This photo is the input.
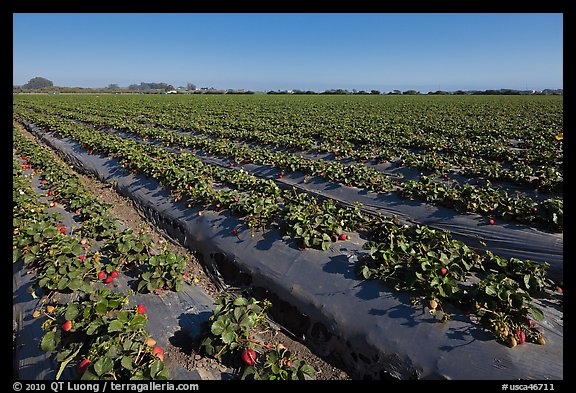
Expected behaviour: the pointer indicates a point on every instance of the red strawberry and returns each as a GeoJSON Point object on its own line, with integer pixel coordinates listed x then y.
{"type": "Point", "coordinates": [343, 236]}
{"type": "Point", "coordinates": [443, 271]}
{"type": "Point", "coordinates": [84, 365]}
{"type": "Point", "coordinates": [491, 221]}
{"type": "Point", "coordinates": [101, 275]}
{"type": "Point", "coordinates": [249, 356]}
{"type": "Point", "coordinates": [43, 181]}
{"type": "Point", "coordinates": [234, 232]}
{"type": "Point", "coordinates": [66, 326]}
{"type": "Point", "coordinates": [63, 230]}
{"type": "Point", "coordinates": [82, 257]}
{"type": "Point", "coordinates": [559, 290]}
{"type": "Point", "coordinates": [141, 309]}
{"type": "Point", "coordinates": [114, 274]}
{"type": "Point", "coordinates": [158, 352]}
{"type": "Point", "coordinates": [520, 335]}
{"type": "Point", "coordinates": [108, 280]}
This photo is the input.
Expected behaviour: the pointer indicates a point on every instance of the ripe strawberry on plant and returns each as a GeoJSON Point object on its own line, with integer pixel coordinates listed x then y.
{"type": "Point", "coordinates": [141, 309]}
{"type": "Point", "coordinates": [343, 236]}
{"type": "Point", "coordinates": [66, 326]}
{"type": "Point", "coordinates": [108, 280]}
{"type": "Point", "coordinates": [158, 352]}
{"type": "Point", "coordinates": [443, 271]}
{"type": "Point", "coordinates": [114, 274]}
{"type": "Point", "coordinates": [249, 356]}
{"type": "Point", "coordinates": [84, 365]}
{"type": "Point", "coordinates": [101, 275]}
{"type": "Point", "coordinates": [520, 336]}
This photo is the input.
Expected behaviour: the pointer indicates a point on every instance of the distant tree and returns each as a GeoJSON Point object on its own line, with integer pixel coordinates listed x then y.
{"type": "Point", "coordinates": [191, 86]}
{"type": "Point", "coordinates": [411, 92]}
{"type": "Point", "coordinates": [38, 83]}
{"type": "Point", "coordinates": [113, 86]}
{"type": "Point", "coordinates": [374, 91]}
{"type": "Point", "coordinates": [395, 92]}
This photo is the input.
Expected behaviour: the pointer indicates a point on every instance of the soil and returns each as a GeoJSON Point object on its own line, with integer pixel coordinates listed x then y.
{"type": "Point", "coordinates": [182, 350]}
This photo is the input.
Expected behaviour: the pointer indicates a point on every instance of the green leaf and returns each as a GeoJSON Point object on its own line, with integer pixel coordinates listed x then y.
{"type": "Point", "coordinates": [156, 367]}
{"type": "Point", "coordinates": [238, 313]}
{"type": "Point", "coordinates": [103, 366]}
{"type": "Point", "coordinates": [240, 301]}
{"type": "Point", "coordinates": [102, 307]}
{"type": "Point", "coordinates": [138, 322]}
{"type": "Point", "coordinates": [72, 311]}
{"type": "Point", "coordinates": [247, 322]}
{"type": "Point", "coordinates": [49, 232]}
{"type": "Point", "coordinates": [93, 326]}
{"type": "Point", "coordinates": [162, 374]}
{"type": "Point", "coordinates": [536, 313]}
{"type": "Point", "coordinates": [527, 281]}
{"type": "Point", "coordinates": [28, 258]}
{"type": "Point", "coordinates": [127, 363]}
{"type": "Point", "coordinates": [76, 284]}
{"type": "Point", "coordinates": [490, 290]}
{"type": "Point", "coordinates": [77, 250]}
{"type": "Point", "coordinates": [63, 283]}
{"type": "Point", "coordinates": [50, 341]}
{"type": "Point", "coordinates": [66, 361]}
{"type": "Point", "coordinates": [307, 371]}
{"type": "Point", "coordinates": [228, 335]}
{"type": "Point", "coordinates": [115, 326]}
{"type": "Point", "coordinates": [89, 374]}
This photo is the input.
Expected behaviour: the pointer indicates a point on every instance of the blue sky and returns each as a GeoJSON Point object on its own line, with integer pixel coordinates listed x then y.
{"type": "Point", "coordinates": [278, 51]}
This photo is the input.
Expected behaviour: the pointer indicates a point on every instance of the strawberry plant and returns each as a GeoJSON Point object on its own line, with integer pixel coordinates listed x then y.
{"type": "Point", "coordinates": [163, 271]}
{"type": "Point", "coordinates": [232, 326]}
{"type": "Point", "coordinates": [277, 364]}
{"type": "Point", "coordinates": [127, 249]}
{"type": "Point", "coordinates": [112, 337]}
{"type": "Point", "coordinates": [232, 337]}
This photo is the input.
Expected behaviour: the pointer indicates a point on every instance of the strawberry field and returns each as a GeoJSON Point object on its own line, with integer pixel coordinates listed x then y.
{"type": "Point", "coordinates": [365, 220]}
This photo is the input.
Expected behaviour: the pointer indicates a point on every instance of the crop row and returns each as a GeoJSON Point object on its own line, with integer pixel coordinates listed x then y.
{"type": "Point", "coordinates": [97, 330]}
{"type": "Point", "coordinates": [106, 339]}
{"type": "Point", "coordinates": [485, 200]}
{"type": "Point", "coordinates": [420, 258]}
{"type": "Point", "coordinates": [525, 153]}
